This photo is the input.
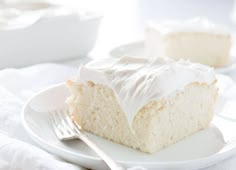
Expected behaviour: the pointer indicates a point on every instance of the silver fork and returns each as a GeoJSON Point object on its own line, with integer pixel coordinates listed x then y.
{"type": "Point", "coordinates": [66, 128]}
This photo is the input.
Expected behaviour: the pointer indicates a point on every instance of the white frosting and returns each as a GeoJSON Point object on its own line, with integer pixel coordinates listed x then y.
{"type": "Point", "coordinates": [136, 81]}
{"type": "Point", "coordinates": [21, 15]}
{"type": "Point", "coordinates": [194, 25]}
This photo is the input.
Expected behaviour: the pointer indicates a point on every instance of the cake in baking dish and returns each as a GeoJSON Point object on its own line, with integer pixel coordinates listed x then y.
{"type": "Point", "coordinates": [144, 104]}
{"type": "Point", "coordinates": [197, 40]}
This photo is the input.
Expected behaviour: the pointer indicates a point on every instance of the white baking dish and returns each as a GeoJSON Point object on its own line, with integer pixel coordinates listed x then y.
{"type": "Point", "coordinates": [35, 33]}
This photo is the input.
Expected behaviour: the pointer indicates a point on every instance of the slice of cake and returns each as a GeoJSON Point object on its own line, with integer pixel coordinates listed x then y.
{"type": "Point", "coordinates": [146, 105]}
{"type": "Point", "coordinates": [197, 40]}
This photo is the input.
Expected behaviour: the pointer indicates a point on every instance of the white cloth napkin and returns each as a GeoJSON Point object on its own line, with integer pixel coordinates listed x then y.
{"type": "Point", "coordinates": [17, 151]}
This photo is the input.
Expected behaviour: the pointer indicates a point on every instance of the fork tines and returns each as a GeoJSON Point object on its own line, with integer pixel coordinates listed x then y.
{"type": "Point", "coordinates": [63, 126]}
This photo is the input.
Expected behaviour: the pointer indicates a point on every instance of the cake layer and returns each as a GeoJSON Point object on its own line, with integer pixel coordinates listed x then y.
{"type": "Point", "coordinates": [137, 81]}
{"type": "Point", "coordinates": [158, 124]}
{"type": "Point", "coordinates": [197, 40]}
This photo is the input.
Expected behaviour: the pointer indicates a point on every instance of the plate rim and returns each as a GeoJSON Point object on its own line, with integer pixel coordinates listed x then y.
{"type": "Point", "coordinates": [42, 143]}
{"type": "Point", "coordinates": [30, 132]}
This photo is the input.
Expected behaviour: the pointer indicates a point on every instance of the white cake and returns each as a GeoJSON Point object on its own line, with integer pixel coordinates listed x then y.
{"type": "Point", "coordinates": [146, 105]}
{"type": "Point", "coordinates": [197, 40]}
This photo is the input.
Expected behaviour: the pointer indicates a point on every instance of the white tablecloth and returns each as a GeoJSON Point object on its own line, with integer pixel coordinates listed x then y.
{"type": "Point", "coordinates": [17, 151]}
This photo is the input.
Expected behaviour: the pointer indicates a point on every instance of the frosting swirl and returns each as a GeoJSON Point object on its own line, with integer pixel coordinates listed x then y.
{"type": "Point", "coordinates": [199, 24]}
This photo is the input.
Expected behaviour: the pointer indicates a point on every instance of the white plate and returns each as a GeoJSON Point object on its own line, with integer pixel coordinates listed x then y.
{"type": "Point", "coordinates": [197, 151]}
{"type": "Point", "coordinates": [137, 49]}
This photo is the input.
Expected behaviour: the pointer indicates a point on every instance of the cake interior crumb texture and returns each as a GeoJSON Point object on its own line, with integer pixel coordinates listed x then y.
{"type": "Point", "coordinates": [157, 125]}
{"type": "Point", "coordinates": [201, 47]}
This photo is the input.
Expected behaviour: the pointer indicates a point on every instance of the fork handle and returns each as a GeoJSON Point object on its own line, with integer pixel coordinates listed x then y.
{"type": "Point", "coordinates": [108, 160]}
